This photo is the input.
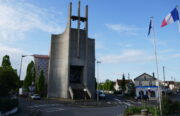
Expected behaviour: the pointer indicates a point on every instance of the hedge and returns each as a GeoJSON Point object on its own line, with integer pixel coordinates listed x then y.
{"type": "Point", "coordinates": [137, 110]}
{"type": "Point", "coordinates": [7, 104]}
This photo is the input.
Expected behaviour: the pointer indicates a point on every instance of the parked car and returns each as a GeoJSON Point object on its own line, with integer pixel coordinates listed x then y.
{"type": "Point", "coordinates": [101, 94]}
{"type": "Point", "coordinates": [35, 97]}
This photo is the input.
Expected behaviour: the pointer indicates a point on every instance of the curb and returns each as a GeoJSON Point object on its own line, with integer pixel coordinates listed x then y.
{"type": "Point", "coordinates": [14, 110]}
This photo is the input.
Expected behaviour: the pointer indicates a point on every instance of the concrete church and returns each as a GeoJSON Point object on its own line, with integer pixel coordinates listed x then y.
{"type": "Point", "coordinates": [72, 61]}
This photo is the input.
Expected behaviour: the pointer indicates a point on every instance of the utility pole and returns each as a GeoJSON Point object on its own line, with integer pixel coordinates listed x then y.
{"type": "Point", "coordinates": [128, 76]}
{"type": "Point", "coordinates": [97, 79]}
{"type": "Point", "coordinates": [164, 74]}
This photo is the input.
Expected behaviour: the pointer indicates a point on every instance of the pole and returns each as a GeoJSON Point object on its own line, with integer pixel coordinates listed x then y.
{"type": "Point", "coordinates": [155, 52]}
{"type": "Point", "coordinates": [98, 62]}
{"type": "Point", "coordinates": [20, 67]}
{"type": "Point", "coordinates": [21, 64]}
{"type": "Point", "coordinates": [164, 73]}
{"type": "Point", "coordinates": [177, 7]}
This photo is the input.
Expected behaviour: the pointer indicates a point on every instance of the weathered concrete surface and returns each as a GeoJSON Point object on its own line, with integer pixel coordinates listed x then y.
{"type": "Point", "coordinates": [71, 48]}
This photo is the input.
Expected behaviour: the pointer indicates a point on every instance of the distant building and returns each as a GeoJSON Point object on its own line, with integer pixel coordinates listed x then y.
{"type": "Point", "coordinates": [169, 84]}
{"type": "Point", "coordinates": [146, 84]}
{"type": "Point", "coordinates": [117, 85]}
{"type": "Point", "coordinates": [41, 63]}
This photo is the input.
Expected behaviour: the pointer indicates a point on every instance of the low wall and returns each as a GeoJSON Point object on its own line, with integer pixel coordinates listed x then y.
{"type": "Point", "coordinates": [14, 110]}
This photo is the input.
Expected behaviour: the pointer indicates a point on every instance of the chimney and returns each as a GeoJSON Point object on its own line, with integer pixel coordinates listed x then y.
{"type": "Point", "coordinates": [153, 74]}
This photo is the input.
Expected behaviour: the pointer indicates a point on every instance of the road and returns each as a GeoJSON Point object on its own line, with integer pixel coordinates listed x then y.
{"type": "Point", "coordinates": [60, 110]}
{"type": "Point", "coordinates": [53, 108]}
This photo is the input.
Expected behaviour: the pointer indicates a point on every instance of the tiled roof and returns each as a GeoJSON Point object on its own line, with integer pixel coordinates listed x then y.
{"type": "Point", "coordinates": [145, 74]}
{"type": "Point", "coordinates": [120, 81]}
{"type": "Point", "coordinates": [41, 56]}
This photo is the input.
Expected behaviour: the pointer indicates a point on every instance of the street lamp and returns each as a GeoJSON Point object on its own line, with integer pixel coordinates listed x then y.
{"type": "Point", "coordinates": [97, 79]}
{"type": "Point", "coordinates": [21, 65]}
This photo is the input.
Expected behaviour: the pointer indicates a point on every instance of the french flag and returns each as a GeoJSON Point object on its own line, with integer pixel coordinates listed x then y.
{"type": "Point", "coordinates": [171, 17]}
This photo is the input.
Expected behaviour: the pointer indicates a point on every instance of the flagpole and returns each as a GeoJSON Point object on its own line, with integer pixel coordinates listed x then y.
{"type": "Point", "coordinates": [177, 7]}
{"type": "Point", "coordinates": [155, 53]}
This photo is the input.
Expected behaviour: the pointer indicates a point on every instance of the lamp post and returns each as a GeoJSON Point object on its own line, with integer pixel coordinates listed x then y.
{"type": "Point", "coordinates": [21, 64]}
{"type": "Point", "coordinates": [98, 62]}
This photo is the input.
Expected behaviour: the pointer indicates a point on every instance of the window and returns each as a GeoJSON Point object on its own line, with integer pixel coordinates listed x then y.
{"type": "Point", "coordinates": [150, 83]}
{"type": "Point", "coordinates": [140, 83]}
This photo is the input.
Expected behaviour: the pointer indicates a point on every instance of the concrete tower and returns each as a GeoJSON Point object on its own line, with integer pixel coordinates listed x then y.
{"type": "Point", "coordinates": [72, 61]}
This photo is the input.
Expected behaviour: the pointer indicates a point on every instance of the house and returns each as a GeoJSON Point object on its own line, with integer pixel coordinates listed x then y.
{"type": "Point", "coordinates": [146, 84]}
{"type": "Point", "coordinates": [169, 84]}
{"type": "Point", "coordinates": [117, 85]}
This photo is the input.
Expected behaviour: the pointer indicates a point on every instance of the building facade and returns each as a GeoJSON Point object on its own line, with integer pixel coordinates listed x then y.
{"type": "Point", "coordinates": [146, 84]}
{"type": "Point", "coordinates": [72, 61]}
{"type": "Point", "coordinates": [42, 64]}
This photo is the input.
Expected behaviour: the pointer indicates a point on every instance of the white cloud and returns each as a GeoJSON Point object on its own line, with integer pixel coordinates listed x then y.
{"type": "Point", "coordinates": [15, 58]}
{"type": "Point", "coordinates": [126, 56]}
{"type": "Point", "coordinates": [176, 55]}
{"type": "Point", "coordinates": [19, 17]}
{"type": "Point", "coordinates": [125, 29]}
{"type": "Point", "coordinates": [100, 45]}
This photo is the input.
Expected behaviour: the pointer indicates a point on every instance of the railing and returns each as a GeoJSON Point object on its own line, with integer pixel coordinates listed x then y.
{"type": "Point", "coordinates": [71, 92]}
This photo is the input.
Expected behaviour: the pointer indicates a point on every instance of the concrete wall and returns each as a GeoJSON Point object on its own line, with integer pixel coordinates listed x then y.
{"type": "Point", "coordinates": [91, 67]}
{"type": "Point", "coordinates": [86, 57]}
{"type": "Point", "coordinates": [59, 66]}
{"type": "Point", "coordinates": [64, 54]}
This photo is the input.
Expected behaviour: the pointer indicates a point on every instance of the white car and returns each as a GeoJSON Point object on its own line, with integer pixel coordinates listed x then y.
{"type": "Point", "coordinates": [35, 97]}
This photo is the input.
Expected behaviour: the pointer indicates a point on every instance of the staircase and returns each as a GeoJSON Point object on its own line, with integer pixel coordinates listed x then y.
{"type": "Point", "coordinates": [77, 92]}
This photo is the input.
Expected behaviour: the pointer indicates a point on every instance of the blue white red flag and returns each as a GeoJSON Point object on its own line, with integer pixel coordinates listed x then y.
{"type": "Point", "coordinates": [171, 17]}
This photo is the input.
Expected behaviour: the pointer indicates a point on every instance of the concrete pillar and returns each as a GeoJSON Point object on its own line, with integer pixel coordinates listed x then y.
{"type": "Point", "coordinates": [69, 15]}
{"type": "Point", "coordinates": [78, 27]}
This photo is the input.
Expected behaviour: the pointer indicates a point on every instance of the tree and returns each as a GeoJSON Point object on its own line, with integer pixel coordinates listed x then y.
{"type": "Point", "coordinates": [6, 61]}
{"type": "Point", "coordinates": [8, 77]}
{"type": "Point", "coordinates": [108, 85]}
{"type": "Point", "coordinates": [123, 84]}
{"type": "Point", "coordinates": [30, 75]}
{"type": "Point", "coordinates": [100, 86]}
{"type": "Point", "coordinates": [131, 90]}
{"type": "Point", "coordinates": [41, 83]}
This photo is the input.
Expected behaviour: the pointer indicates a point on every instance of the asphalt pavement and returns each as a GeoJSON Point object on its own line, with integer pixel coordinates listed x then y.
{"type": "Point", "coordinates": [45, 107]}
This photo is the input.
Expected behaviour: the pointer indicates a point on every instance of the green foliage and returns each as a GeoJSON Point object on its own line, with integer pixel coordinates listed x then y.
{"type": "Point", "coordinates": [137, 110]}
{"type": "Point", "coordinates": [41, 83]}
{"type": "Point", "coordinates": [7, 104]}
{"type": "Point", "coordinates": [169, 106]}
{"type": "Point", "coordinates": [30, 75]}
{"type": "Point", "coordinates": [6, 61]}
{"type": "Point", "coordinates": [123, 84]}
{"type": "Point", "coordinates": [131, 90]}
{"type": "Point", "coordinates": [9, 80]}
{"type": "Point", "coordinates": [108, 85]}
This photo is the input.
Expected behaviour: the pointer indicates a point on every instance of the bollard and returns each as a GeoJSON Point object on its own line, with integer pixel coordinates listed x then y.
{"type": "Point", "coordinates": [144, 112]}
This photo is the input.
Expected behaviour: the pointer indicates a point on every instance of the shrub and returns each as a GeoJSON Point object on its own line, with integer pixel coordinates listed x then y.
{"type": "Point", "coordinates": [7, 104]}
{"type": "Point", "coordinates": [169, 106]}
{"type": "Point", "coordinates": [137, 110]}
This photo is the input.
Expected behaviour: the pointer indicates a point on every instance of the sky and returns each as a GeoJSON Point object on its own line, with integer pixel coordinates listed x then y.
{"type": "Point", "coordinates": [119, 28]}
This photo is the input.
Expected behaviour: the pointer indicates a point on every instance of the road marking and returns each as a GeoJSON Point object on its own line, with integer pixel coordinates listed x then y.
{"type": "Point", "coordinates": [55, 110]}
{"type": "Point", "coordinates": [44, 105]}
{"type": "Point", "coordinates": [126, 103]}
